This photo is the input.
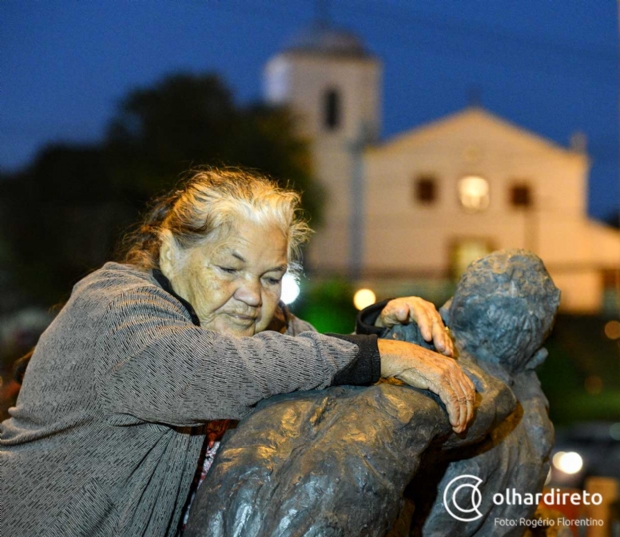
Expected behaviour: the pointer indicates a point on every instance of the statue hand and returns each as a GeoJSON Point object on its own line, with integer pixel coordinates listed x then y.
{"type": "Point", "coordinates": [425, 369]}
{"type": "Point", "coordinates": [414, 309]}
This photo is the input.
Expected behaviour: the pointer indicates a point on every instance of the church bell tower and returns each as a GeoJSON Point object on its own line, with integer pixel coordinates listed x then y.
{"type": "Point", "coordinates": [329, 80]}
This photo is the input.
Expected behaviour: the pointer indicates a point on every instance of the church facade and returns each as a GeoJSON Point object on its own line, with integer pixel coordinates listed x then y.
{"type": "Point", "coordinates": [420, 206]}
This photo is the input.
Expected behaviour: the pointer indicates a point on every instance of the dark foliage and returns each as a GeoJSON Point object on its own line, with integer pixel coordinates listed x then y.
{"type": "Point", "coordinates": [62, 216]}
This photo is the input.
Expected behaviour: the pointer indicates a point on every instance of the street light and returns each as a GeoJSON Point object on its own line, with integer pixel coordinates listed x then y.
{"type": "Point", "coordinates": [364, 298]}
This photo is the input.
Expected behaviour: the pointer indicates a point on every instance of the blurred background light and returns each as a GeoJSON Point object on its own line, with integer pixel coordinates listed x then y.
{"type": "Point", "coordinates": [364, 298]}
{"type": "Point", "coordinates": [568, 462]}
{"type": "Point", "coordinates": [290, 288]}
{"type": "Point", "coordinates": [614, 431]}
{"type": "Point", "coordinates": [612, 329]}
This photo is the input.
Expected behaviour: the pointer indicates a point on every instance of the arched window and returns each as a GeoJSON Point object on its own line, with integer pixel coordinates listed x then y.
{"type": "Point", "coordinates": [332, 109]}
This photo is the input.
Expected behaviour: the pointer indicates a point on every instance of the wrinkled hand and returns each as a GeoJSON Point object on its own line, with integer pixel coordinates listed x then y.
{"type": "Point", "coordinates": [425, 369]}
{"type": "Point", "coordinates": [414, 309]}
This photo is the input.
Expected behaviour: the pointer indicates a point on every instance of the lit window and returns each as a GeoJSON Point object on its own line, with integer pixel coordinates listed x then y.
{"type": "Point", "coordinates": [474, 193]}
{"type": "Point", "coordinates": [425, 189]}
{"type": "Point", "coordinates": [332, 109]}
{"type": "Point", "coordinates": [521, 196]}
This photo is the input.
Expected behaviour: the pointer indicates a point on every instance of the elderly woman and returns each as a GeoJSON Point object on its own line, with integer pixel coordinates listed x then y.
{"type": "Point", "coordinates": [109, 426]}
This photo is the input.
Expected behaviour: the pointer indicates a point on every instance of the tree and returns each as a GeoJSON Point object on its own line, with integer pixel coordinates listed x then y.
{"type": "Point", "coordinates": [188, 120]}
{"type": "Point", "coordinates": [62, 216]}
{"type": "Point", "coordinates": [60, 219]}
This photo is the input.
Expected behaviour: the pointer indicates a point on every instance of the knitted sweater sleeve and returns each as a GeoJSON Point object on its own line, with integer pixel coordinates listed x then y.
{"type": "Point", "coordinates": [159, 367]}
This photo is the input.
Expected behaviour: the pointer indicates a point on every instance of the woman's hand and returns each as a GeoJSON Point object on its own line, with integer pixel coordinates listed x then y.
{"type": "Point", "coordinates": [414, 309]}
{"type": "Point", "coordinates": [425, 369]}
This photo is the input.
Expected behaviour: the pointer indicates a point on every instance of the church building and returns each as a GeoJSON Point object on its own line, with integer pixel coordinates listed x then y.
{"type": "Point", "coordinates": [420, 206]}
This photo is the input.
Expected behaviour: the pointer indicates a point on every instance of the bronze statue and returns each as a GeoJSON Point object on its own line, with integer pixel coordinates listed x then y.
{"type": "Point", "coordinates": [338, 461]}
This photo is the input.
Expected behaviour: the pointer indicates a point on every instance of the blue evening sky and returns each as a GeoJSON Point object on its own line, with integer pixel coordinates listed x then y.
{"type": "Point", "coordinates": [551, 67]}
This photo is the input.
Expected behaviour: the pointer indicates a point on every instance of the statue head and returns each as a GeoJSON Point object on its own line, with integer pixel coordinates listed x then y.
{"type": "Point", "coordinates": [503, 310]}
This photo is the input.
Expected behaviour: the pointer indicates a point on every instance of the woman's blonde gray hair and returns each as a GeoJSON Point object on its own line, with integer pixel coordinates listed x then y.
{"type": "Point", "coordinates": [212, 200]}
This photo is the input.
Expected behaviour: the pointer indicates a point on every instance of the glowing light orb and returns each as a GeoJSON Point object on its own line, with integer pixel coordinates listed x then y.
{"type": "Point", "coordinates": [569, 462]}
{"type": "Point", "coordinates": [290, 289]}
{"type": "Point", "coordinates": [612, 330]}
{"type": "Point", "coordinates": [364, 298]}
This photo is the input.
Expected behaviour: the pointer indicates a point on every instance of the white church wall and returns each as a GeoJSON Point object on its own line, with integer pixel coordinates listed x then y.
{"type": "Point", "coordinates": [300, 81]}
{"type": "Point", "coordinates": [582, 289]}
{"type": "Point", "coordinates": [407, 241]}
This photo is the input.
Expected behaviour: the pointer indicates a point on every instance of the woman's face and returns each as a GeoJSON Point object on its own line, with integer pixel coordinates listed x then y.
{"type": "Point", "coordinates": [234, 282]}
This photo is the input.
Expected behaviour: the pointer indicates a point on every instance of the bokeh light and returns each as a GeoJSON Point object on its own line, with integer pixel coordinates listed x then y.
{"type": "Point", "coordinates": [364, 298]}
{"type": "Point", "coordinates": [290, 289]}
{"type": "Point", "coordinates": [569, 462]}
{"type": "Point", "coordinates": [612, 329]}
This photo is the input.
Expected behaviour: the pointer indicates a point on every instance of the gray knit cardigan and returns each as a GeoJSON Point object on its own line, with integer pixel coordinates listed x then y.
{"type": "Point", "coordinates": [103, 438]}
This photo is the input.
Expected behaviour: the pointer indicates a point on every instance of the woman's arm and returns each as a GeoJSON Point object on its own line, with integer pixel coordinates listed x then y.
{"type": "Point", "coordinates": [377, 318]}
{"type": "Point", "coordinates": [160, 367]}
{"type": "Point", "coordinates": [422, 368]}
{"type": "Point", "coordinates": [416, 365]}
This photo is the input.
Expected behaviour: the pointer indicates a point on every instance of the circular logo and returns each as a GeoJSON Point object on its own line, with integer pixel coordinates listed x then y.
{"type": "Point", "coordinates": [456, 500]}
